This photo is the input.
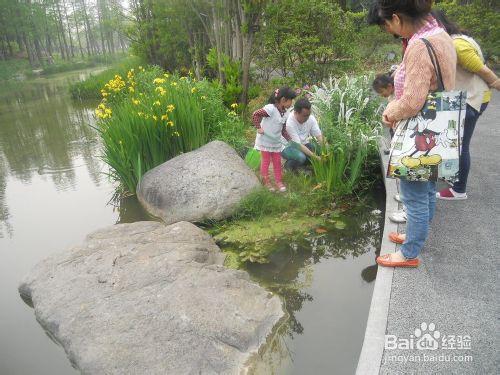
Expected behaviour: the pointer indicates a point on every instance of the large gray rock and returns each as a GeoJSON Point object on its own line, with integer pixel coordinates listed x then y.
{"type": "Point", "coordinates": [207, 183]}
{"type": "Point", "coordinates": [145, 298]}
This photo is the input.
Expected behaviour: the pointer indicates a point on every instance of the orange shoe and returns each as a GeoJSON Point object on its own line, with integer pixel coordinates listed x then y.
{"type": "Point", "coordinates": [397, 238]}
{"type": "Point", "coordinates": [385, 261]}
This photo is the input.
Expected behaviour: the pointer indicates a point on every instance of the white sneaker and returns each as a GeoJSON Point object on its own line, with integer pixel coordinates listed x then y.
{"type": "Point", "coordinates": [397, 198]}
{"type": "Point", "coordinates": [398, 217]}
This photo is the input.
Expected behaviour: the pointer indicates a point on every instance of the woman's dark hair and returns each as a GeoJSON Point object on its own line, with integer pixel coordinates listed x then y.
{"type": "Point", "coordinates": [300, 104]}
{"type": "Point", "coordinates": [414, 10]}
{"type": "Point", "coordinates": [450, 27]}
{"type": "Point", "coordinates": [282, 92]}
{"type": "Point", "coordinates": [373, 17]}
{"type": "Point", "coordinates": [381, 81]}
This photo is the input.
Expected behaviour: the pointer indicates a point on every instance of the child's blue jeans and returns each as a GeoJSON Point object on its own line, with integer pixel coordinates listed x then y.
{"type": "Point", "coordinates": [420, 201]}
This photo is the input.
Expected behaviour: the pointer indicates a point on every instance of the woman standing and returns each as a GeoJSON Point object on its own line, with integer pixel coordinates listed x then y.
{"type": "Point", "coordinates": [476, 78]}
{"type": "Point", "coordinates": [413, 80]}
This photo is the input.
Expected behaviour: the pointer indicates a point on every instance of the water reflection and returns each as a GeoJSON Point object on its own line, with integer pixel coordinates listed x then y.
{"type": "Point", "coordinates": [52, 193]}
{"type": "Point", "coordinates": [296, 272]}
{"type": "Point", "coordinates": [5, 226]}
{"type": "Point", "coordinates": [42, 130]}
{"type": "Point", "coordinates": [129, 209]}
{"type": "Point", "coordinates": [48, 159]}
{"type": "Point", "coordinates": [43, 133]}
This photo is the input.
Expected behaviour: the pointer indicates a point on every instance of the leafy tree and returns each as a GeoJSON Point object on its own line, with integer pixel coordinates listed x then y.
{"type": "Point", "coordinates": [309, 39]}
{"type": "Point", "coordinates": [479, 17]}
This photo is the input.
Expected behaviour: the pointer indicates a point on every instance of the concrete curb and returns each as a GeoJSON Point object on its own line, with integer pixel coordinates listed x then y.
{"type": "Point", "coordinates": [370, 359]}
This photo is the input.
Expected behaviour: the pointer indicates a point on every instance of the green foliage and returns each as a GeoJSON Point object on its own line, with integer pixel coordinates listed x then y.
{"type": "Point", "coordinates": [17, 68]}
{"type": "Point", "coordinates": [340, 167]}
{"type": "Point", "coordinates": [59, 65]}
{"type": "Point", "coordinates": [479, 17]}
{"type": "Point", "coordinates": [91, 87]}
{"type": "Point", "coordinates": [231, 71]}
{"type": "Point", "coordinates": [12, 68]}
{"type": "Point", "coordinates": [148, 120]}
{"type": "Point", "coordinates": [264, 217]}
{"type": "Point", "coordinates": [161, 34]}
{"type": "Point", "coordinates": [349, 117]}
{"type": "Point", "coordinates": [302, 198]}
{"type": "Point", "coordinates": [309, 39]}
{"type": "Point", "coordinates": [372, 44]}
{"type": "Point", "coordinates": [43, 31]}
{"type": "Point", "coordinates": [221, 124]}
{"type": "Point", "coordinates": [147, 116]}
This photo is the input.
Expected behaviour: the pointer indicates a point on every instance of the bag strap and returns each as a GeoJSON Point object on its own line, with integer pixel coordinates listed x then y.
{"type": "Point", "coordinates": [435, 63]}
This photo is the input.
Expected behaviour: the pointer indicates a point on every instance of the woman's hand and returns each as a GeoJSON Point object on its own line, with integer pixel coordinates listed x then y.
{"type": "Point", "coordinates": [387, 122]}
{"type": "Point", "coordinates": [260, 131]}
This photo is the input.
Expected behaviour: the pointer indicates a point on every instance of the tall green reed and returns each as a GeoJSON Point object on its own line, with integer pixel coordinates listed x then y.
{"type": "Point", "coordinates": [349, 117]}
{"type": "Point", "coordinates": [147, 118]}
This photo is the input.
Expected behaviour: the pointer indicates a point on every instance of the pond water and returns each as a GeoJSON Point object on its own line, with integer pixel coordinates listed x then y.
{"type": "Point", "coordinates": [53, 192]}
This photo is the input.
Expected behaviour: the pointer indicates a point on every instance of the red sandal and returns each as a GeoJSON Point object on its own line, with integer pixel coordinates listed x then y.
{"type": "Point", "coordinates": [385, 261]}
{"type": "Point", "coordinates": [396, 238]}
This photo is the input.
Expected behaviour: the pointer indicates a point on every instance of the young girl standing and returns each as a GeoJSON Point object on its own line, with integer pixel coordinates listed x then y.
{"type": "Point", "coordinates": [270, 121]}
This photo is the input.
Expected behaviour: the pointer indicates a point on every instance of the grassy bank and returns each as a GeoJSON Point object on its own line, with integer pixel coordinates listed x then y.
{"type": "Point", "coordinates": [20, 68]}
{"type": "Point", "coordinates": [91, 87]}
{"type": "Point", "coordinates": [147, 116]}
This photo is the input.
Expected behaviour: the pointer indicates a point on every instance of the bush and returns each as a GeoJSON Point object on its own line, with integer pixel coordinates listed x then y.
{"type": "Point", "coordinates": [302, 198]}
{"type": "Point", "coordinates": [13, 68]}
{"type": "Point", "coordinates": [90, 88]}
{"type": "Point", "coordinates": [350, 120]}
{"type": "Point", "coordinates": [147, 120]}
{"type": "Point", "coordinates": [481, 19]}
{"type": "Point", "coordinates": [307, 39]}
{"type": "Point", "coordinates": [149, 116]}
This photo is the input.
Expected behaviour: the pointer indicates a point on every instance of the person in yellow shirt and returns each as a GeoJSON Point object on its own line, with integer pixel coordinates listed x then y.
{"type": "Point", "coordinates": [477, 79]}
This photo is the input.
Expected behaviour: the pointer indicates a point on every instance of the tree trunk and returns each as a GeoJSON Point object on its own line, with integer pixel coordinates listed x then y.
{"type": "Point", "coordinates": [61, 31]}
{"type": "Point", "coordinates": [88, 31]}
{"type": "Point", "coordinates": [246, 60]}
{"type": "Point", "coordinates": [9, 46]}
{"type": "Point", "coordinates": [218, 43]}
{"type": "Point", "coordinates": [28, 51]}
{"type": "Point", "coordinates": [249, 21]}
{"type": "Point", "coordinates": [100, 20]}
{"type": "Point", "coordinates": [3, 53]}
{"type": "Point", "coordinates": [38, 49]}
{"type": "Point", "coordinates": [19, 40]}
{"type": "Point", "coordinates": [77, 29]}
{"type": "Point", "coordinates": [71, 46]}
{"type": "Point", "coordinates": [48, 39]}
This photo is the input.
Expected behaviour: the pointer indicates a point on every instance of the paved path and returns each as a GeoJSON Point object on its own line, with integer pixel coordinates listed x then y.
{"type": "Point", "coordinates": [456, 286]}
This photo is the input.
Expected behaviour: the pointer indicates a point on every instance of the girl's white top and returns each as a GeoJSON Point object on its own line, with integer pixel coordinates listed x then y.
{"type": "Point", "coordinates": [272, 126]}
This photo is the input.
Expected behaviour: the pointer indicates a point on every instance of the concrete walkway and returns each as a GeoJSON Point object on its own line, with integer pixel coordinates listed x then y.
{"type": "Point", "coordinates": [455, 291]}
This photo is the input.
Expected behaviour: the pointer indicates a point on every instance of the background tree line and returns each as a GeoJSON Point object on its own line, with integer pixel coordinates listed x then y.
{"type": "Point", "coordinates": [234, 41]}
{"type": "Point", "coordinates": [41, 30]}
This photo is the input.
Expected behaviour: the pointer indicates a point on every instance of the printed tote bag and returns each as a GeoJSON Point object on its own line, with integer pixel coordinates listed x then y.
{"type": "Point", "coordinates": [427, 146]}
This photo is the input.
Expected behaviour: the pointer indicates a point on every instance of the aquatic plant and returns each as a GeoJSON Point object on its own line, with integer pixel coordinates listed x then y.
{"type": "Point", "coordinates": [145, 119]}
{"type": "Point", "coordinates": [349, 115]}
{"type": "Point", "coordinates": [148, 117]}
